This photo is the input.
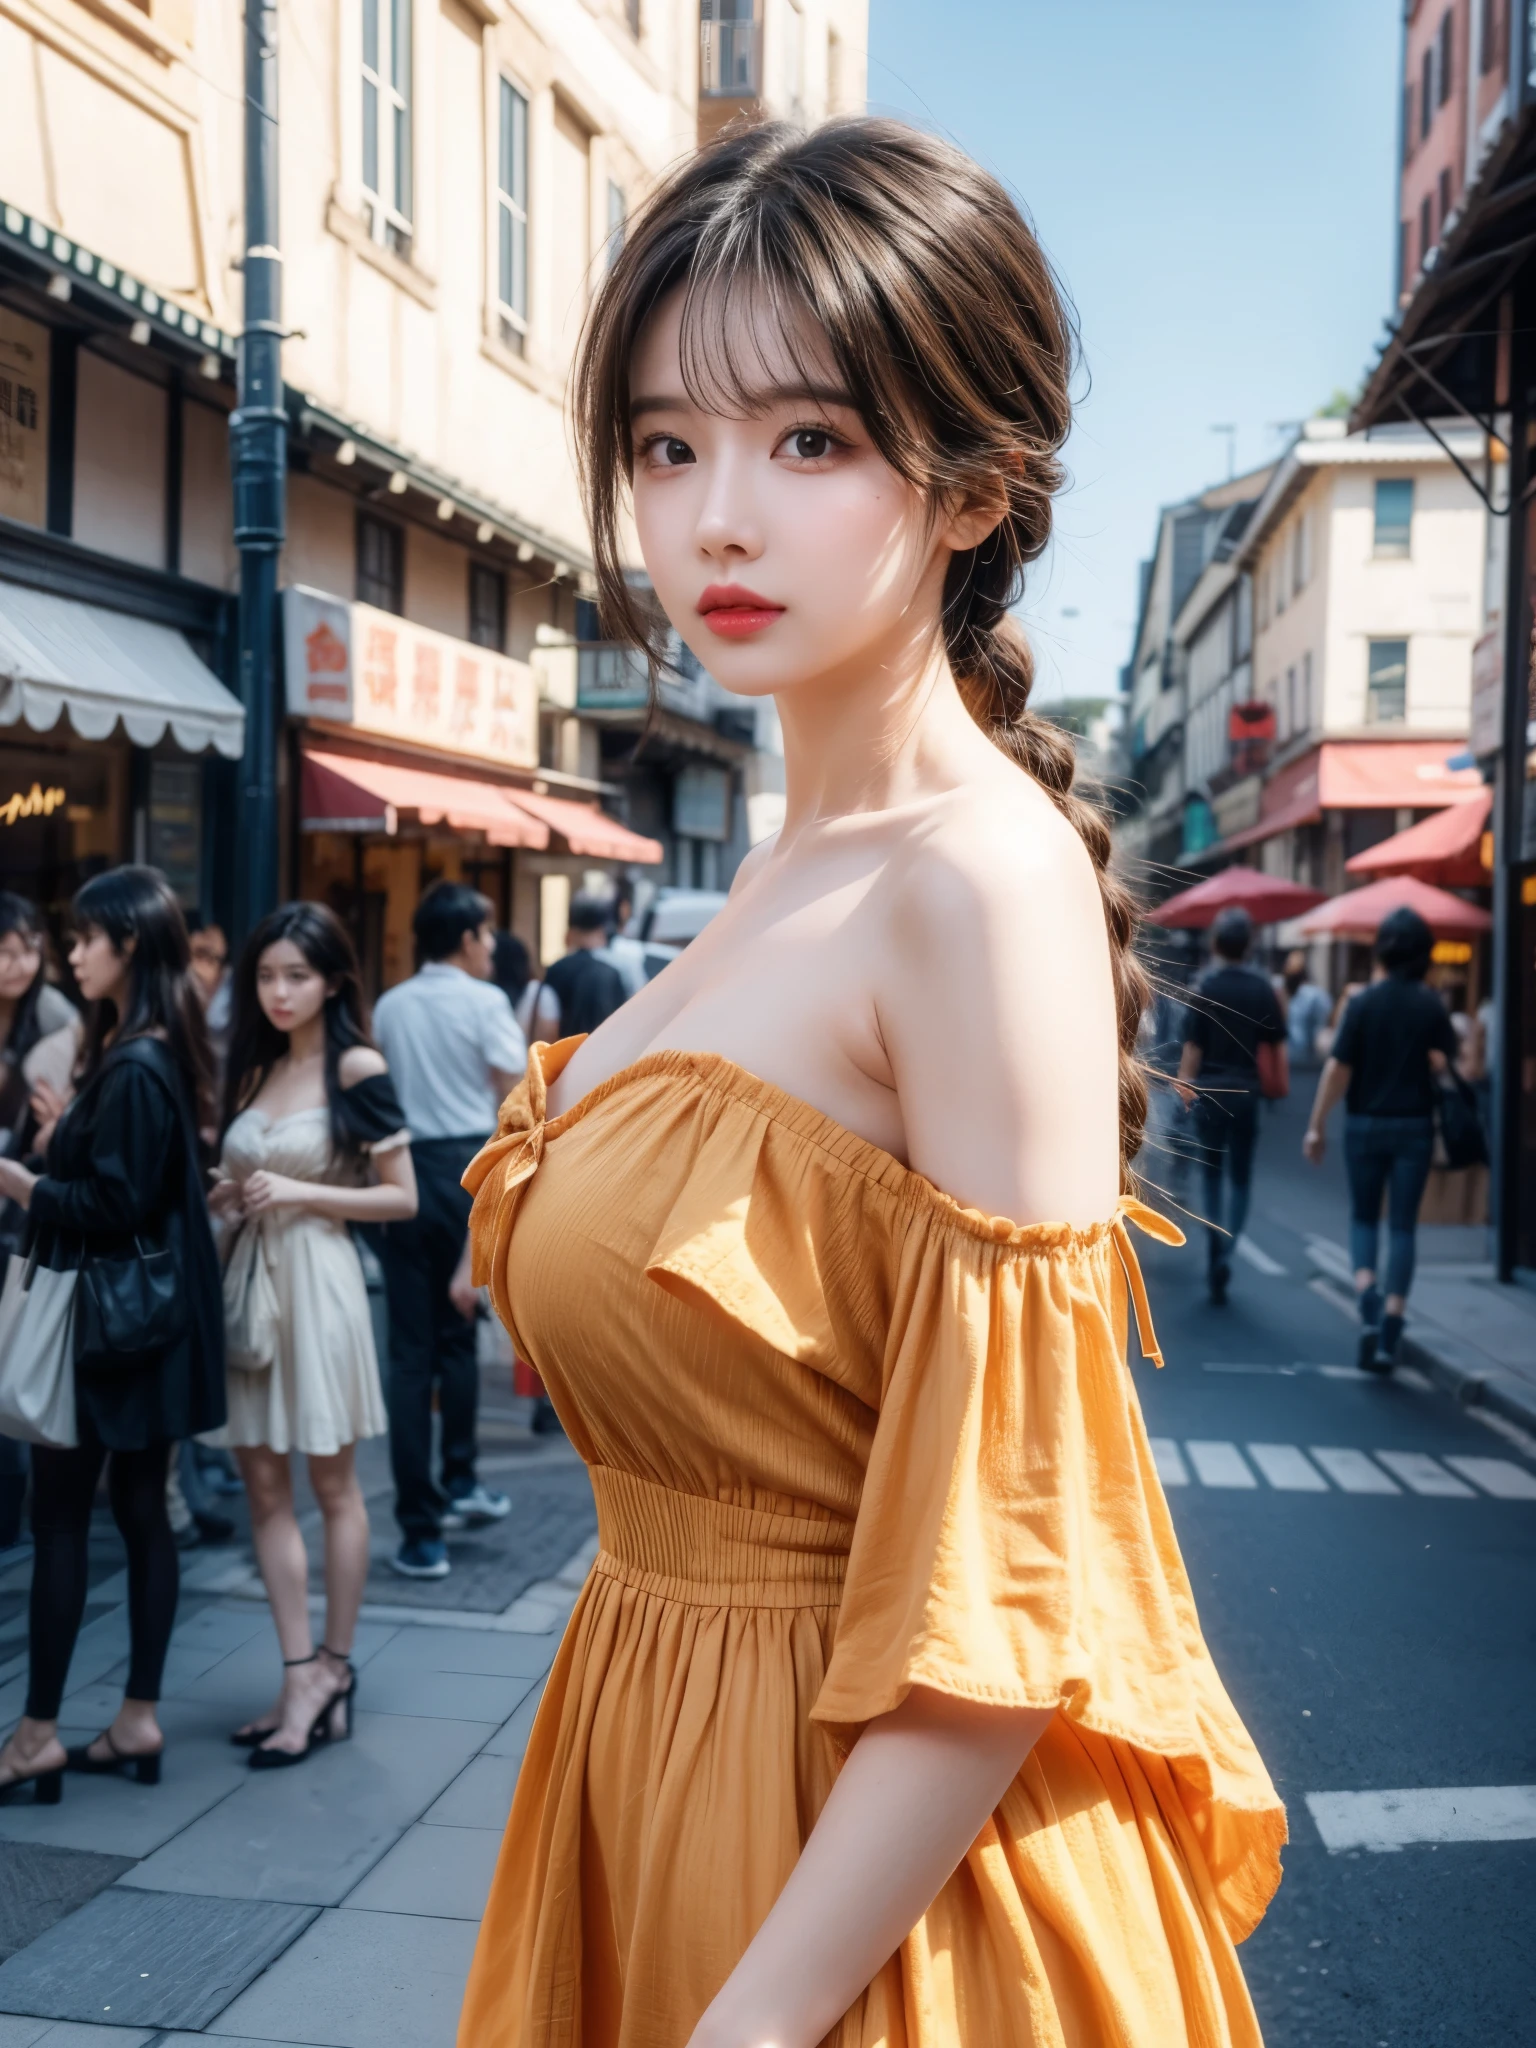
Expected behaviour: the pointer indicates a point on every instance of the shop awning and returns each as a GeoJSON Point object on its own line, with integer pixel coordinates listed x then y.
{"type": "Point", "coordinates": [586, 829]}
{"type": "Point", "coordinates": [1445, 849]}
{"type": "Point", "coordinates": [1359, 775]}
{"type": "Point", "coordinates": [340, 794]}
{"type": "Point", "coordinates": [60, 654]}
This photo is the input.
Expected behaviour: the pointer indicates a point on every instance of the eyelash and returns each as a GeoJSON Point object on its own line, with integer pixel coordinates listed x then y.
{"type": "Point", "coordinates": [654, 441]}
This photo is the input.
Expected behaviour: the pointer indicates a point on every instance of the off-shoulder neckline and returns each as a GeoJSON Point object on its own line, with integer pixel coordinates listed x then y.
{"type": "Point", "coordinates": [712, 1070]}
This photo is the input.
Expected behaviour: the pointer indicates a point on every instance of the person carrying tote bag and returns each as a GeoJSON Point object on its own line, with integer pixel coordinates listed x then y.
{"type": "Point", "coordinates": [121, 1204]}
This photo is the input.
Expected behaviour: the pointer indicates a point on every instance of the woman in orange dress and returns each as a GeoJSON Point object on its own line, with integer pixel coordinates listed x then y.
{"type": "Point", "coordinates": [884, 1719]}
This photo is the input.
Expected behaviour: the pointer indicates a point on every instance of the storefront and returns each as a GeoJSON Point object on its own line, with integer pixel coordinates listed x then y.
{"type": "Point", "coordinates": [413, 757]}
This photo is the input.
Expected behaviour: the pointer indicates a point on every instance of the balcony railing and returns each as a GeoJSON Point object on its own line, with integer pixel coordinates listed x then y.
{"type": "Point", "coordinates": [612, 677]}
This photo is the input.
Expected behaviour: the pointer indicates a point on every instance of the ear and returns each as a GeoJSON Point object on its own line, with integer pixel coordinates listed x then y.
{"type": "Point", "coordinates": [968, 522]}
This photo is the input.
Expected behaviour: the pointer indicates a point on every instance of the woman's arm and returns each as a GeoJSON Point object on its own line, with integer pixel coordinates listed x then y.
{"type": "Point", "coordinates": [134, 1131]}
{"type": "Point", "coordinates": [1332, 1086]}
{"type": "Point", "coordinates": [391, 1201]}
{"type": "Point", "coordinates": [916, 1791]}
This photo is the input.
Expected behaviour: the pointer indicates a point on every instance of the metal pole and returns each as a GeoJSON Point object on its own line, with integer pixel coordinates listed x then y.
{"type": "Point", "coordinates": [258, 432]}
{"type": "Point", "coordinates": [1508, 823]}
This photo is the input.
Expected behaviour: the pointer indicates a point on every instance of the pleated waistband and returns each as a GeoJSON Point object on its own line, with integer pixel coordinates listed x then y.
{"type": "Point", "coordinates": [681, 1546]}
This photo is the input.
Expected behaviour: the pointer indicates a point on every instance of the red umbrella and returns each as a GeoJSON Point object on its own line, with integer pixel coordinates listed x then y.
{"type": "Point", "coordinates": [1357, 913]}
{"type": "Point", "coordinates": [1268, 899]}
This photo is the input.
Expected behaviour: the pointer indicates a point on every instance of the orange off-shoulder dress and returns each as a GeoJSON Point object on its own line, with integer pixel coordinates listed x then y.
{"type": "Point", "coordinates": [847, 1437]}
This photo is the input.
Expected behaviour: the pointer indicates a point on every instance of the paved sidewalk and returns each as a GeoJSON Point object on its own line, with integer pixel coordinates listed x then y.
{"type": "Point", "coordinates": [331, 1906]}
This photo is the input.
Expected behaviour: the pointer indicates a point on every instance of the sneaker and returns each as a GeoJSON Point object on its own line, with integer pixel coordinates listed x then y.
{"type": "Point", "coordinates": [469, 1510]}
{"type": "Point", "coordinates": [421, 1557]}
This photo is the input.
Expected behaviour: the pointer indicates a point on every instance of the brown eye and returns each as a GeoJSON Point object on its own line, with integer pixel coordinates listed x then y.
{"type": "Point", "coordinates": [674, 452]}
{"type": "Point", "coordinates": [810, 444]}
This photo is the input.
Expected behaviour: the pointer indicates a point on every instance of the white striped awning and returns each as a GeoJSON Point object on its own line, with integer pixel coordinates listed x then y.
{"type": "Point", "coordinates": [60, 654]}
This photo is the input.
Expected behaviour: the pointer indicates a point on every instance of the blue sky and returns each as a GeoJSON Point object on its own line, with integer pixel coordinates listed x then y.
{"type": "Point", "coordinates": [1214, 181]}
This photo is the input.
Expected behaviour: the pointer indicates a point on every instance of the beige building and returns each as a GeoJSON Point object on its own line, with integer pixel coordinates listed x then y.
{"type": "Point", "coordinates": [453, 173]}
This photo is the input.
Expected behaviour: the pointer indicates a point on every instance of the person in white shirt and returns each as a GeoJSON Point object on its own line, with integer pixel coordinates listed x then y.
{"type": "Point", "coordinates": [455, 1051]}
{"type": "Point", "coordinates": [625, 955]}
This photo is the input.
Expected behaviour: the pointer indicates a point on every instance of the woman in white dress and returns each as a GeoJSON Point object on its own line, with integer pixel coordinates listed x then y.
{"type": "Point", "coordinates": [309, 1107]}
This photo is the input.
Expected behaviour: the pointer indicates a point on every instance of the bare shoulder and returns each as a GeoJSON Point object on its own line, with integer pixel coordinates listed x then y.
{"type": "Point", "coordinates": [752, 861]}
{"type": "Point", "coordinates": [360, 1063]}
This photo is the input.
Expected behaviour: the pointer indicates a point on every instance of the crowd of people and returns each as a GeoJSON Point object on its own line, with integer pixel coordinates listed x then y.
{"type": "Point", "coordinates": [1389, 1050]}
{"type": "Point", "coordinates": [189, 1155]}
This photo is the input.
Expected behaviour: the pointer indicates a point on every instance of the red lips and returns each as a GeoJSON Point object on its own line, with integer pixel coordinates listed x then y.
{"type": "Point", "coordinates": [736, 613]}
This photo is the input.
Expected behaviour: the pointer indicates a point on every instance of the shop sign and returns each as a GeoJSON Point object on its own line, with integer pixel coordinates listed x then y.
{"type": "Point", "coordinates": [35, 802]}
{"type": "Point", "coordinates": [354, 665]}
{"type": "Point", "coordinates": [23, 419]}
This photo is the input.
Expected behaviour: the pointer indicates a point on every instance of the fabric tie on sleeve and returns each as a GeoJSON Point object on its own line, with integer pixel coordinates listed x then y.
{"type": "Point", "coordinates": [1129, 1210]}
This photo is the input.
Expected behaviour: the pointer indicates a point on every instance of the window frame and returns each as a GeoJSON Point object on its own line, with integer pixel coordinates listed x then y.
{"type": "Point", "coordinates": [1427, 91]}
{"type": "Point", "coordinates": [1385, 546]}
{"type": "Point", "coordinates": [393, 536]}
{"type": "Point", "coordinates": [513, 212]}
{"type": "Point", "coordinates": [1444, 59]}
{"type": "Point", "coordinates": [1374, 691]}
{"type": "Point", "coordinates": [713, 55]}
{"type": "Point", "coordinates": [389, 199]}
{"type": "Point", "coordinates": [486, 577]}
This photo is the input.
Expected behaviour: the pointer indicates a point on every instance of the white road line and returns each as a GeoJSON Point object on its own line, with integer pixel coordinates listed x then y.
{"type": "Point", "coordinates": [1287, 1468]}
{"type": "Point", "coordinates": [1352, 1471]}
{"type": "Point", "coordinates": [1452, 1813]}
{"type": "Point", "coordinates": [1332, 1257]}
{"type": "Point", "coordinates": [1496, 1476]}
{"type": "Point", "coordinates": [1423, 1474]}
{"type": "Point", "coordinates": [1219, 1464]}
{"type": "Point", "coordinates": [1259, 1259]}
{"type": "Point", "coordinates": [1169, 1461]}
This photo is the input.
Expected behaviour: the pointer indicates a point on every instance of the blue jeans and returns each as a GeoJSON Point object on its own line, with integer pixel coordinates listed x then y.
{"type": "Point", "coordinates": [1226, 1133]}
{"type": "Point", "coordinates": [1390, 1153]}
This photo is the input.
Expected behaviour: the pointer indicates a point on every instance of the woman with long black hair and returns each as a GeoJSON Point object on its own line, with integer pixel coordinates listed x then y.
{"type": "Point", "coordinates": [309, 1108]}
{"type": "Point", "coordinates": [121, 1174]}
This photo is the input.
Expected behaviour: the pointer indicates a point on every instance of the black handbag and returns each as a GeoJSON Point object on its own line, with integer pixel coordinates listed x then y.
{"type": "Point", "coordinates": [1461, 1128]}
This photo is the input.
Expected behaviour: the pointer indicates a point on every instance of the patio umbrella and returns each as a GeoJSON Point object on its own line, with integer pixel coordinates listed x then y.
{"type": "Point", "coordinates": [1445, 848]}
{"type": "Point", "coordinates": [1268, 899]}
{"type": "Point", "coordinates": [1357, 913]}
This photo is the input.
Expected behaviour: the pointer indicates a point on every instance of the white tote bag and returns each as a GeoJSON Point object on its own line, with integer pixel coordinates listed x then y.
{"type": "Point", "coordinates": [37, 1367]}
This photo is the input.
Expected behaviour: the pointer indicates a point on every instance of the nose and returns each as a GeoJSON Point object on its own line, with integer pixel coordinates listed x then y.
{"type": "Point", "coordinates": [730, 527]}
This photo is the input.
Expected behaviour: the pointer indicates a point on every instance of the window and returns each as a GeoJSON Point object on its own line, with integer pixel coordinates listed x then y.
{"type": "Point", "coordinates": [1408, 123]}
{"type": "Point", "coordinates": [1298, 557]}
{"type": "Point", "coordinates": [1488, 36]}
{"type": "Point", "coordinates": [618, 213]}
{"type": "Point", "coordinates": [1394, 515]}
{"type": "Point", "coordinates": [1281, 598]}
{"type": "Point", "coordinates": [1386, 684]}
{"type": "Point", "coordinates": [1404, 254]}
{"type": "Point", "coordinates": [1426, 229]}
{"type": "Point", "coordinates": [380, 563]}
{"type": "Point", "coordinates": [1305, 724]}
{"type": "Point", "coordinates": [1289, 708]}
{"type": "Point", "coordinates": [1443, 58]}
{"type": "Point", "coordinates": [728, 49]}
{"type": "Point", "coordinates": [512, 217]}
{"type": "Point", "coordinates": [387, 122]}
{"type": "Point", "coordinates": [632, 16]}
{"type": "Point", "coordinates": [1427, 92]}
{"type": "Point", "coordinates": [1445, 199]}
{"type": "Point", "coordinates": [487, 606]}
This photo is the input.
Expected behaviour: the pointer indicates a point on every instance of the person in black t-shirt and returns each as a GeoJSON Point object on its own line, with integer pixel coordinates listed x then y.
{"type": "Point", "coordinates": [1396, 1036]}
{"type": "Point", "coordinates": [1234, 1010]}
{"type": "Point", "coordinates": [587, 989]}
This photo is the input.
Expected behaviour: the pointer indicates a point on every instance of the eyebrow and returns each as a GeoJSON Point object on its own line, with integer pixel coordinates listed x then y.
{"type": "Point", "coordinates": [761, 399]}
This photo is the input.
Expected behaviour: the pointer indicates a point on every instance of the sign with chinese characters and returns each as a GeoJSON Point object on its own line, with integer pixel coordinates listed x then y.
{"type": "Point", "coordinates": [23, 419]}
{"type": "Point", "coordinates": [354, 665]}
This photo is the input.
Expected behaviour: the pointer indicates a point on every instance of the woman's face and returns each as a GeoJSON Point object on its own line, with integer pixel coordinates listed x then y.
{"type": "Point", "coordinates": [20, 958]}
{"type": "Point", "coordinates": [99, 967]}
{"type": "Point", "coordinates": [784, 548]}
{"type": "Point", "coordinates": [290, 991]}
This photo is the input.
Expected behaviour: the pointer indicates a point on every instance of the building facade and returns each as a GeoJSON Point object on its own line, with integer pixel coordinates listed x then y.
{"type": "Point", "coordinates": [1455, 100]}
{"type": "Point", "coordinates": [453, 176]}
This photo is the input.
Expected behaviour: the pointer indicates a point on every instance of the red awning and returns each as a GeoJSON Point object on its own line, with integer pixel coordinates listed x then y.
{"type": "Point", "coordinates": [1357, 913]}
{"type": "Point", "coordinates": [1358, 775]}
{"type": "Point", "coordinates": [586, 829]}
{"type": "Point", "coordinates": [340, 794]}
{"type": "Point", "coordinates": [1445, 849]}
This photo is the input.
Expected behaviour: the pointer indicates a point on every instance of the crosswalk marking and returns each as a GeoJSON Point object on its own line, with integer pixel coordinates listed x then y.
{"type": "Point", "coordinates": [1352, 1471]}
{"type": "Point", "coordinates": [1496, 1476]}
{"type": "Point", "coordinates": [1287, 1468]}
{"type": "Point", "coordinates": [1169, 1460]}
{"type": "Point", "coordinates": [1260, 1259]}
{"type": "Point", "coordinates": [1449, 1813]}
{"type": "Point", "coordinates": [1219, 1464]}
{"type": "Point", "coordinates": [1423, 1474]}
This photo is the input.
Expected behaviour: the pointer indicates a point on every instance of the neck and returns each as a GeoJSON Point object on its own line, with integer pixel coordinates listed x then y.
{"type": "Point", "coordinates": [888, 730]}
{"type": "Point", "coordinates": [7, 1017]}
{"type": "Point", "coordinates": [307, 1041]}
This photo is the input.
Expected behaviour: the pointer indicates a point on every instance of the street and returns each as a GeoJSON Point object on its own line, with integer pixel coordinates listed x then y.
{"type": "Point", "coordinates": [1373, 1640]}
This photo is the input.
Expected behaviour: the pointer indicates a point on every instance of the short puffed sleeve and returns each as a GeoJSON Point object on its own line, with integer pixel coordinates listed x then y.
{"type": "Point", "coordinates": [370, 1114]}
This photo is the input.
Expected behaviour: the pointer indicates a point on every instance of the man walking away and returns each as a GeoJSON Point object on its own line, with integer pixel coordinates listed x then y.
{"type": "Point", "coordinates": [586, 988]}
{"type": "Point", "coordinates": [1307, 1010]}
{"type": "Point", "coordinates": [625, 955]}
{"type": "Point", "coordinates": [454, 1051]}
{"type": "Point", "coordinates": [1233, 1012]}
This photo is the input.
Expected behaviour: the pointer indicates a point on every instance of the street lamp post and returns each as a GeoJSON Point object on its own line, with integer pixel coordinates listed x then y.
{"type": "Point", "coordinates": [258, 431]}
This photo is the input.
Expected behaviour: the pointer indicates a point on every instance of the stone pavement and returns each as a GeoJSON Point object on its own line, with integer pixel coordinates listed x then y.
{"type": "Point", "coordinates": [331, 1906]}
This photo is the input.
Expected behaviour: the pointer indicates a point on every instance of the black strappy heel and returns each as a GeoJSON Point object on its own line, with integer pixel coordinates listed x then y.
{"type": "Point", "coordinates": [253, 1738]}
{"type": "Point", "coordinates": [322, 1729]}
{"type": "Point", "coordinates": [145, 1769]}
{"type": "Point", "coordinates": [47, 1786]}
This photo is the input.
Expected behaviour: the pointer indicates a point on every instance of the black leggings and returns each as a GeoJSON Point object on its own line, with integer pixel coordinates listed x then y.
{"type": "Point", "coordinates": [63, 1489]}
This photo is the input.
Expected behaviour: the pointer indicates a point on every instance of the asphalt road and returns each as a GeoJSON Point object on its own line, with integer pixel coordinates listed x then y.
{"type": "Point", "coordinates": [1373, 1640]}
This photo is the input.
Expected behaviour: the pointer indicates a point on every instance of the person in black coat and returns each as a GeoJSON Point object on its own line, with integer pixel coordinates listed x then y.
{"type": "Point", "coordinates": [122, 1169]}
